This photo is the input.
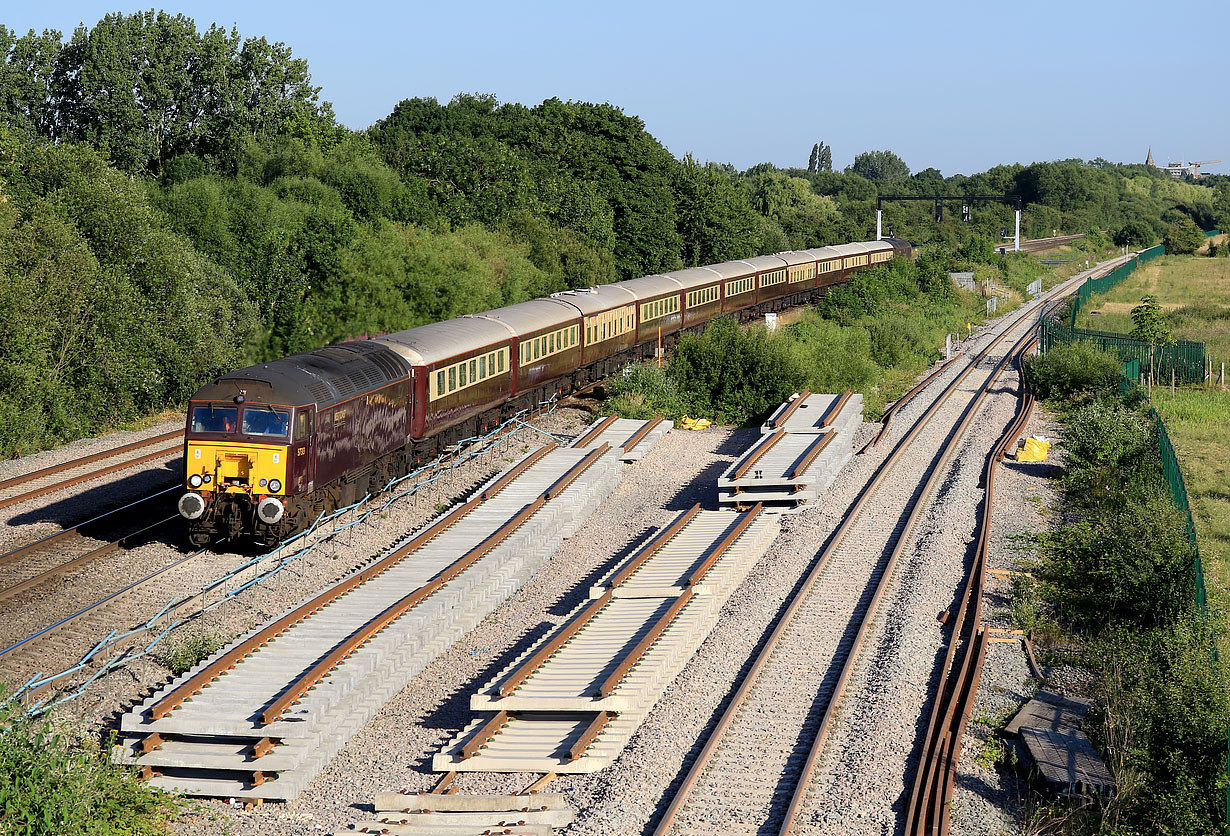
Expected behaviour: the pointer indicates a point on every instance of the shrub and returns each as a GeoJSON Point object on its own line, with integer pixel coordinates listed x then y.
{"type": "Point", "coordinates": [900, 340]}
{"type": "Point", "coordinates": [1161, 716]}
{"type": "Point", "coordinates": [57, 780]}
{"type": "Point", "coordinates": [836, 357]}
{"type": "Point", "coordinates": [736, 374]}
{"type": "Point", "coordinates": [1129, 565]}
{"type": "Point", "coordinates": [182, 654]}
{"type": "Point", "coordinates": [1104, 436]}
{"type": "Point", "coordinates": [644, 391]}
{"type": "Point", "coordinates": [1074, 372]}
{"type": "Point", "coordinates": [1182, 237]}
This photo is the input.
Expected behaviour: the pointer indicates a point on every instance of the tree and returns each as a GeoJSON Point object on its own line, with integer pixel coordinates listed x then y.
{"type": "Point", "coordinates": [880, 167]}
{"type": "Point", "coordinates": [1138, 233]}
{"type": "Point", "coordinates": [1182, 237]}
{"type": "Point", "coordinates": [1151, 327]}
{"type": "Point", "coordinates": [813, 162]}
{"type": "Point", "coordinates": [826, 157]}
{"type": "Point", "coordinates": [715, 218]}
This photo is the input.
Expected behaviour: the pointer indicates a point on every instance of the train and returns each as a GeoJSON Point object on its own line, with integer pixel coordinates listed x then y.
{"type": "Point", "coordinates": [269, 448]}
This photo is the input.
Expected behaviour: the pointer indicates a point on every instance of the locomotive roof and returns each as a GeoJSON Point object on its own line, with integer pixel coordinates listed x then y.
{"type": "Point", "coordinates": [325, 376]}
{"type": "Point", "coordinates": [592, 300]}
{"type": "Point", "coordinates": [438, 341]}
{"type": "Point", "coordinates": [534, 315]}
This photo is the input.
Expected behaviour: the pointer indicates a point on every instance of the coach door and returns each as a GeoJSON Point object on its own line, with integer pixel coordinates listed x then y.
{"type": "Point", "coordinates": [304, 449]}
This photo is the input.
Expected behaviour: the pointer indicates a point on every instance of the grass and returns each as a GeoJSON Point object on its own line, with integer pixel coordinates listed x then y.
{"type": "Point", "coordinates": [1198, 421]}
{"type": "Point", "coordinates": [1193, 290]}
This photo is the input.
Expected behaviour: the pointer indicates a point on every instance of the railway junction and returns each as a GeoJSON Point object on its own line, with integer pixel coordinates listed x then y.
{"type": "Point", "coordinates": [680, 644]}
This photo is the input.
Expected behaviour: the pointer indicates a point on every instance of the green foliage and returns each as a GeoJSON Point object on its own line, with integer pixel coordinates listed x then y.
{"type": "Point", "coordinates": [1138, 234]}
{"type": "Point", "coordinates": [837, 357]}
{"type": "Point", "coordinates": [645, 391]}
{"type": "Point", "coordinates": [108, 316]}
{"type": "Point", "coordinates": [56, 780]}
{"type": "Point", "coordinates": [1129, 564]}
{"type": "Point", "coordinates": [1074, 373]}
{"type": "Point", "coordinates": [1182, 237]}
{"type": "Point", "coordinates": [1161, 715]}
{"type": "Point", "coordinates": [880, 167]}
{"type": "Point", "coordinates": [735, 374]}
{"type": "Point", "coordinates": [179, 655]}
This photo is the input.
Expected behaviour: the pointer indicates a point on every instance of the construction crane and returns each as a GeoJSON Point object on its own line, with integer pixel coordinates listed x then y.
{"type": "Point", "coordinates": [1189, 169]}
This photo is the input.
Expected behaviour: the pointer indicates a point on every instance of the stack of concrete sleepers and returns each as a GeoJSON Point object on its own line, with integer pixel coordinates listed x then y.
{"type": "Point", "coordinates": [217, 743]}
{"type": "Point", "coordinates": [405, 814]}
{"type": "Point", "coordinates": [571, 703]}
{"type": "Point", "coordinates": [802, 448]}
{"type": "Point", "coordinates": [633, 438]}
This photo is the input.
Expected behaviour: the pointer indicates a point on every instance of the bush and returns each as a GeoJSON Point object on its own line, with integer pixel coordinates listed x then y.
{"type": "Point", "coordinates": [644, 391]}
{"type": "Point", "coordinates": [182, 654]}
{"type": "Point", "coordinates": [1161, 716]}
{"type": "Point", "coordinates": [56, 780]}
{"type": "Point", "coordinates": [1130, 564]}
{"type": "Point", "coordinates": [735, 374]}
{"type": "Point", "coordinates": [1073, 373]}
{"type": "Point", "coordinates": [1182, 237]}
{"type": "Point", "coordinates": [1106, 436]}
{"type": "Point", "coordinates": [836, 357]}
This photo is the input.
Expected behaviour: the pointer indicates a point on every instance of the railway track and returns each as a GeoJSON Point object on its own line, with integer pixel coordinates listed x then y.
{"type": "Point", "coordinates": [73, 548]}
{"type": "Point", "coordinates": [754, 772]}
{"type": "Point", "coordinates": [41, 482]}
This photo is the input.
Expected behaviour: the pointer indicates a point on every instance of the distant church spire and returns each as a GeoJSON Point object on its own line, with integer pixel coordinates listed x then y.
{"type": "Point", "coordinates": [1149, 159]}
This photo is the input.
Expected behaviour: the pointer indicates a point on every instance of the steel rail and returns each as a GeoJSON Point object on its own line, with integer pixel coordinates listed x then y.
{"type": "Point", "coordinates": [587, 439]}
{"type": "Point", "coordinates": [828, 718]}
{"type": "Point", "coordinates": [639, 436]}
{"type": "Point", "coordinates": [219, 666]}
{"type": "Point", "coordinates": [86, 477]}
{"type": "Point", "coordinates": [887, 417]}
{"type": "Point", "coordinates": [777, 420]}
{"type": "Point", "coordinates": [927, 812]}
{"type": "Point", "coordinates": [82, 560]}
{"type": "Point", "coordinates": [758, 453]}
{"type": "Point", "coordinates": [310, 678]}
{"type": "Point", "coordinates": [796, 601]}
{"type": "Point", "coordinates": [84, 460]}
{"type": "Point", "coordinates": [835, 408]}
{"type": "Point", "coordinates": [809, 455]}
{"type": "Point", "coordinates": [10, 556]}
{"type": "Point", "coordinates": [801, 593]}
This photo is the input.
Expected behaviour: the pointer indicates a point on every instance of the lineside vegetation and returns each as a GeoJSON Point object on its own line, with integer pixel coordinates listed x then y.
{"type": "Point", "coordinates": [1114, 593]}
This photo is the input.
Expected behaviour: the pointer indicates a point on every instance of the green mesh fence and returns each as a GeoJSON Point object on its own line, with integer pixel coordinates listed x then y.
{"type": "Point", "coordinates": [1184, 359]}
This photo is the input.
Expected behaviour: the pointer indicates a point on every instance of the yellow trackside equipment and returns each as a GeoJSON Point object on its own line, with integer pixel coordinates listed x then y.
{"type": "Point", "coordinates": [237, 468]}
{"type": "Point", "coordinates": [695, 423]}
{"type": "Point", "coordinates": [1033, 450]}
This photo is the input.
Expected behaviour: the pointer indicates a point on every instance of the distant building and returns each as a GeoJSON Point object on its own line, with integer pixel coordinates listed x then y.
{"type": "Point", "coordinates": [1180, 169]}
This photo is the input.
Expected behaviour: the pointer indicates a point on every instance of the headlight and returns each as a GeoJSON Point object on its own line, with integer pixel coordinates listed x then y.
{"type": "Point", "coordinates": [264, 482]}
{"type": "Point", "coordinates": [208, 478]}
{"type": "Point", "coordinates": [195, 480]}
{"type": "Point", "coordinates": [275, 485]}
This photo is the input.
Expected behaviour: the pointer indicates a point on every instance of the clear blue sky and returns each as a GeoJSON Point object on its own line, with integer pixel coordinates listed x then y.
{"type": "Point", "coordinates": [959, 86]}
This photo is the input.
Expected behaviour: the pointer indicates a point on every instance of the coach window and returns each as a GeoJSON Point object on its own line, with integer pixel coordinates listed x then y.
{"type": "Point", "coordinates": [452, 378]}
{"type": "Point", "coordinates": [473, 371]}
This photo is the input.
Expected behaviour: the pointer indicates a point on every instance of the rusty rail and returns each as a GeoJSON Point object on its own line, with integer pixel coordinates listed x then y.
{"type": "Point", "coordinates": [729, 540]}
{"type": "Point", "coordinates": [651, 548]}
{"type": "Point", "coordinates": [81, 560]}
{"type": "Point", "coordinates": [887, 417]}
{"type": "Point", "coordinates": [927, 813]}
{"type": "Point", "coordinates": [647, 641]}
{"type": "Point", "coordinates": [85, 477]}
{"type": "Point", "coordinates": [483, 736]}
{"type": "Point", "coordinates": [791, 407]}
{"type": "Point", "coordinates": [803, 590]}
{"type": "Point", "coordinates": [592, 731]}
{"type": "Point", "coordinates": [765, 446]}
{"type": "Point", "coordinates": [585, 440]}
{"type": "Point", "coordinates": [835, 408]}
{"type": "Point", "coordinates": [309, 679]}
{"type": "Point", "coordinates": [227, 661]}
{"type": "Point", "coordinates": [84, 460]}
{"type": "Point", "coordinates": [526, 669]}
{"type": "Point", "coordinates": [809, 455]}
{"type": "Point", "coordinates": [639, 436]}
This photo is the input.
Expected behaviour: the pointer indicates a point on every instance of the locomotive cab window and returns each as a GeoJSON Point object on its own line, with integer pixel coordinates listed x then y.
{"type": "Point", "coordinates": [215, 419]}
{"type": "Point", "coordinates": [301, 425]}
{"type": "Point", "coordinates": [265, 420]}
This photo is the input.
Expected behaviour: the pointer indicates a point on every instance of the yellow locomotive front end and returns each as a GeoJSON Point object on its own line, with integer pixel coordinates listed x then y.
{"type": "Point", "coordinates": [236, 458]}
